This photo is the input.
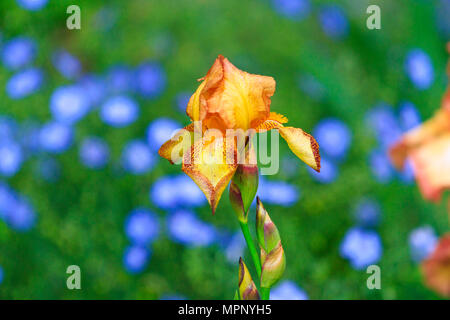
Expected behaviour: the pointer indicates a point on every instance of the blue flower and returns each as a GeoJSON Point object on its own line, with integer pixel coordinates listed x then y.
{"type": "Point", "coordinates": [419, 68]}
{"type": "Point", "coordinates": [182, 100]}
{"type": "Point", "coordinates": [184, 227]}
{"type": "Point", "coordinates": [141, 226]}
{"type": "Point", "coordinates": [28, 136]}
{"type": "Point", "coordinates": [367, 212]}
{"type": "Point", "coordinates": [120, 79]}
{"type": "Point", "coordinates": [328, 171]}
{"type": "Point", "coordinates": [7, 200]}
{"type": "Point", "coordinates": [94, 152]}
{"type": "Point", "coordinates": [384, 123]}
{"type": "Point", "coordinates": [137, 158]}
{"type": "Point", "coordinates": [278, 192]}
{"type": "Point", "coordinates": [381, 166]}
{"type": "Point", "coordinates": [161, 130]}
{"type": "Point", "coordinates": [69, 104]}
{"type": "Point", "coordinates": [189, 194]}
{"type": "Point", "coordinates": [8, 128]}
{"type": "Point", "coordinates": [119, 111]}
{"type": "Point", "coordinates": [18, 52]}
{"type": "Point", "coordinates": [11, 158]}
{"type": "Point", "coordinates": [287, 290]}
{"type": "Point", "coordinates": [235, 247]}
{"type": "Point", "coordinates": [334, 22]}
{"type": "Point", "coordinates": [293, 9]}
{"type": "Point", "coordinates": [422, 242]}
{"type": "Point", "coordinates": [24, 83]}
{"type": "Point", "coordinates": [21, 216]}
{"type": "Point", "coordinates": [94, 87]}
{"type": "Point", "coordinates": [55, 137]}
{"type": "Point", "coordinates": [1, 275]}
{"type": "Point", "coordinates": [170, 192]}
{"type": "Point", "coordinates": [407, 175]}
{"type": "Point", "coordinates": [151, 79]}
{"type": "Point", "coordinates": [32, 5]}
{"type": "Point", "coordinates": [333, 136]}
{"type": "Point", "coordinates": [68, 65]}
{"type": "Point", "coordinates": [136, 258]}
{"type": "Point", "coordinates": [361, 247]}
{"type": "Point", "coordinates": [409, 116]}
{"type": "Point", "coordinates": [311, 87]}
{"type": "Point", "coordinates": [163, 193]}
{"type": "Point", "coordinates": [48, 169]}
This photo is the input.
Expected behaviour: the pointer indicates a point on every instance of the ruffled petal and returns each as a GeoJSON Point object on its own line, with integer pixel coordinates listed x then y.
{"type": "Point", "coordinates": [229, 98]}
{"type": "Point", "coordinates": [211, 164]}
{"type": "Point", "coordinates": [174, 149]}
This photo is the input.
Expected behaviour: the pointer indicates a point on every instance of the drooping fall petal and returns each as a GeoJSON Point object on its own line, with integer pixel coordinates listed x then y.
{"type": "Point", "coordinates": [211, 164]}
{"type": "Point", "coordinates": [436, 268]}
{"type": "Point", "coordinates": [174, 149]}
{"type": "Point", "coordinates": [303, 145]}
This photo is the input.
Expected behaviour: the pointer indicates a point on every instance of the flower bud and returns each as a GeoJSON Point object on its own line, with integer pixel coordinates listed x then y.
{"type": "Point", "coordinates": [273, 267]}
{"type": "Point", "coordinates": [266, 231]}
{"type": "Point", "coordinates": [247, 288]}
{"type": "Point", "coordinates": [244, 185]}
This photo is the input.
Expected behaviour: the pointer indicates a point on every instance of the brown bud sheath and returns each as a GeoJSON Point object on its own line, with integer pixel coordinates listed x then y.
{"type": "Point", "coordinates": [273, 267]}
{"type": "Point", "coordinates": [247, 288]}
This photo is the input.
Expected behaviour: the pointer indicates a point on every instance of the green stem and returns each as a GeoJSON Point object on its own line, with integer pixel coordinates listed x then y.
{"type": "Point", "coordinates": [265, 293]}
{"type": "Point", "coordinates": [251, 247]}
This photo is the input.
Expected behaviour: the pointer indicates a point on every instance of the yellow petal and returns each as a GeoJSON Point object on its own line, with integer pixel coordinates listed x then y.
{"type": "Point", "coordinates": [206, 164]}
{"type": "Point", "coordinates": [174, 149]}
{"type": "Point", "coordinates": [303, 145]}
{"type": "Point", "coordinates": [193, 108]}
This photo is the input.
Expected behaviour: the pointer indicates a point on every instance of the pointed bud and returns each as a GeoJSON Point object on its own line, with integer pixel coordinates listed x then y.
{"type": "Point", "coordinates": [273, 267]}
{"type": "Point", "coordinates": [247, 288]}
{"type": "Point", "coordinates": [266, 231]}
{"type": "Point", "coordinates": [244, 185]}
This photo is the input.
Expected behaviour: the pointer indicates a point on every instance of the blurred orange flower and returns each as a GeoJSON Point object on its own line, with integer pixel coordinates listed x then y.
{"type": "Point", "coordinates": [229, 99]}
{"type": "Point", "coordinates": [428, 148]}
{"type": "Point", "coordinates": [436, 268]}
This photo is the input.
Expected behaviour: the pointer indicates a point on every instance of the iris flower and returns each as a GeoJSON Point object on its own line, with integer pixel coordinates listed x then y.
{"type": "Point", "coordinates": [428, 149]}
{"type": "Point", "coordinates": [229, 99]}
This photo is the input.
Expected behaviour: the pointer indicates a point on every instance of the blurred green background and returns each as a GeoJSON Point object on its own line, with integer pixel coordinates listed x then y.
{"type": "Point", "coordinates": [80, 216]}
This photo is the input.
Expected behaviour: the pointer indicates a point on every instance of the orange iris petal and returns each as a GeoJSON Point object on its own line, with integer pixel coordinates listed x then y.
{"type": "Point", "coordinates": [206, 164]}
